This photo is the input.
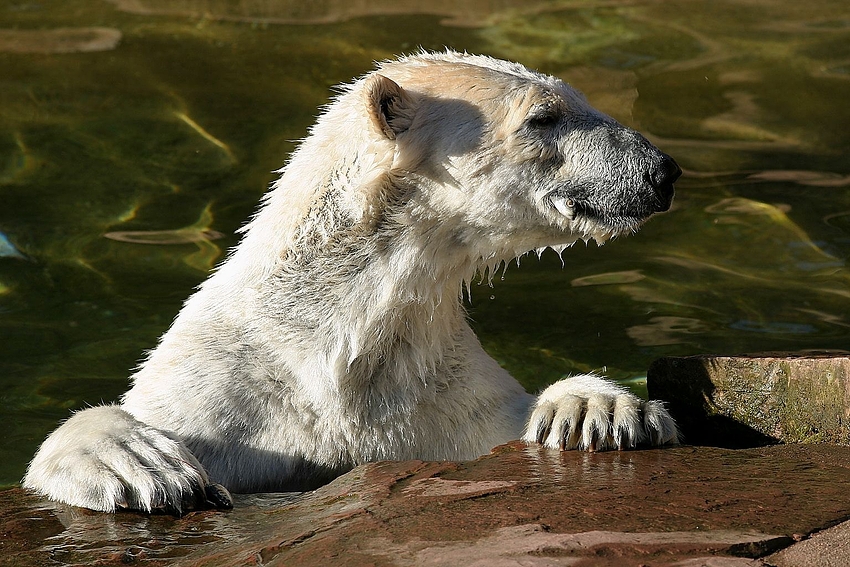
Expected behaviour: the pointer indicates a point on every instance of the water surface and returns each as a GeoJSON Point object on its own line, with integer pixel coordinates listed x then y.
{"type": "Point", "coordinates": [136, 137]}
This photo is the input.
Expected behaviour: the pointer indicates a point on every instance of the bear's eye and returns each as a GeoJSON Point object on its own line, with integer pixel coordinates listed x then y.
{"type": "Point", "coordinates": [546, 119]}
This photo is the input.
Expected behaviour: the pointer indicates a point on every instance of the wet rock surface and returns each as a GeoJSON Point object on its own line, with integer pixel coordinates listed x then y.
{"type": "Point", "coordinates": [757, 399]}
{"type": "Point", "coordinates": [519, 505]}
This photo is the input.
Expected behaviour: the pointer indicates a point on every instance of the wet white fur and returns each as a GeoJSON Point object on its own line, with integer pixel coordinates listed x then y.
{"type": "Point", "coordinates": [334, 334]}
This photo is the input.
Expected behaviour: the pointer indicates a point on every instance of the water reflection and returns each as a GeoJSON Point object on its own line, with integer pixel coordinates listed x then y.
{"type": "Point", "coordinates": [129, 537]}
{"type": "Point", "coordinates": [60, 40]}
{"type": "Point", "coordinates": [665, 331]}
{"type": "Point", "coordinates": [808, 178]}
{"type": "Point", "coordinates": [472, 12]}
{"type": "Point", "coordinates": [609, 278]}
{"type": "Point", "coordinates": [731, 211]}
{"type": "Point", "coordinates": [8, 250]}
{"type": "Point", "coordinates": [198, 233]}
{"type": "Point", "coordinates": [573, 467]}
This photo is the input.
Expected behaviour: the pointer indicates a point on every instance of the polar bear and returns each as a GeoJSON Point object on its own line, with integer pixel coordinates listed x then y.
{"type": "Point", "coordinates": [335, 334]}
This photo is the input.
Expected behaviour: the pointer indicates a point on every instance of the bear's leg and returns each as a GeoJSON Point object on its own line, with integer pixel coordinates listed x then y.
{"type": "Point", "coordinates": [104, 459]}
{"type": "Point", "coordinates": [592, 413]}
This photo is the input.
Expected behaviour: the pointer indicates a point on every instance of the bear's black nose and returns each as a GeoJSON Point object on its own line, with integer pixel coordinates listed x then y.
{"type": "Point", "coordinates": [662, 179]}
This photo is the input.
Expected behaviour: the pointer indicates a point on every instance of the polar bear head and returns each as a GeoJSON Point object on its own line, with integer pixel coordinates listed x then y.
{"type": "Point", "coordinates": [511, 157]}
{"type": "Point", "coordinates": [468, 156]}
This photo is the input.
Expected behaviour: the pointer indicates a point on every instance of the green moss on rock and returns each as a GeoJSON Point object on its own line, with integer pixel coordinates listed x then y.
{"type": "Point", "coordinates": [757, 399]}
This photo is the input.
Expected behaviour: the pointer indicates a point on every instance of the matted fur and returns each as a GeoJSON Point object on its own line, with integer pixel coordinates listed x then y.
{"type": "Point", "coordinates": [334, 334]}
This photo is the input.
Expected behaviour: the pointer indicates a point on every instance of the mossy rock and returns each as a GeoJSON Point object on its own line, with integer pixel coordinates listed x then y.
{"type": "Point", "coordinates": [757, 399]}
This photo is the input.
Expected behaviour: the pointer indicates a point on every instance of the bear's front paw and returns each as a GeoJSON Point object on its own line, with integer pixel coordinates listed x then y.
{"type": "Point", "coordinates": [104, 459]}
{"type": "Point", "coordinates": [591, 413]}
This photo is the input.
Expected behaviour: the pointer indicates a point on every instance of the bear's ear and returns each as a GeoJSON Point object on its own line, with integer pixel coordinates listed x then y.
{"type": "Point", "coordinates": [390, 106]}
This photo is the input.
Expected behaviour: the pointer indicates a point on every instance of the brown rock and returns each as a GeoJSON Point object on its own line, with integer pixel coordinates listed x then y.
{"type": "Point", "coordinates": [829, 548]}
{"type": "Point", "coordinates": [749, 400]}
{"type": "Point", "coordinates": [519, 505]}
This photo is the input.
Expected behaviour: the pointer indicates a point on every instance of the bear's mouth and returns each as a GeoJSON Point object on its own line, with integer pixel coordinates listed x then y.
{"type": "Point", "coordinates": [594, 221]}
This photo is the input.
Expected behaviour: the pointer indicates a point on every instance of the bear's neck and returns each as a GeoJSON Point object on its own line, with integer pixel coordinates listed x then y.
{"type": "Point", "coordinates": [351, 302]}
{"type": "Point", "coordinates": [371, 301]}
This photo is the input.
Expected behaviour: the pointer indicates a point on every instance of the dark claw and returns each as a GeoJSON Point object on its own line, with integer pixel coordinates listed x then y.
{"type": "Point", "coordinates": [623, 442]}
{"type": "Point", "coordinates": [218, 497]}
{"type": "Point", "coordinates": [542, 432]}
{"type": "Point", "coordinates": [193, 500]}
{"type": "Point", "coordinates": [172, 510]}
{"type": "Point", "coordinates": [570, 437]}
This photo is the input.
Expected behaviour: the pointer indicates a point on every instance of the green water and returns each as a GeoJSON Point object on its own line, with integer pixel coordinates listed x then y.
{"type": "Point", "coordinates": [125, 171]}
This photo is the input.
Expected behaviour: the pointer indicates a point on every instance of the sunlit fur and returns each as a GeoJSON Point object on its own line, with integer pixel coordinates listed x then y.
{"type": "Point", "coordinates": [334, 334]}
